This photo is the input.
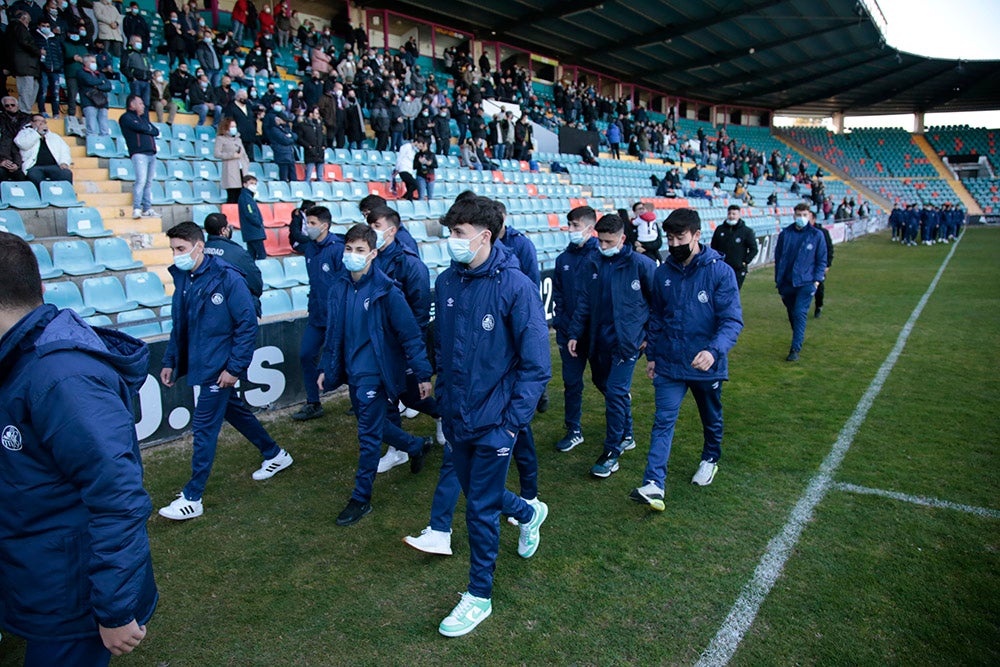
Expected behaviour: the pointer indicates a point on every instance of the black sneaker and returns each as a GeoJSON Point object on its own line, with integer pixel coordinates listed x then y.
{"type": "Point", "coordinates": [818, 313]}
{"type": "Point", "coordinates": [417, 460]}
{"type": "Point", "coordinates": [308, 411]}
{"type": "Point", "coordinates": [571, 440]}
{"type": "Point", "coordinates": [353, 513]}
{"type": "Point", "coordinates": [793, 355]}
{"type": "Point", "coordinates": [543, 402]}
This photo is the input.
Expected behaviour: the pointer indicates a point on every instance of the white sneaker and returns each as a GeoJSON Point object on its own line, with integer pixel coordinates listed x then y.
{"type": "Point", "coordinates": [271, 466]}
{"type": "Point", "coordinates": [150, 213]}
{"type": "Point", "coordinates": [706, 473]}
{"type": "Point", "coordinates": [393, 457]}
{"type": "Point", "coordinates": [182, 509]}
{"type": "Point", "coordinates": [410, 413]}
{"type": "Point", "coordinates": [439, 433]}
{"type": "Point", "coordinates": [136, 213]}
{"type": "Point", "coordinates": [431, 542]}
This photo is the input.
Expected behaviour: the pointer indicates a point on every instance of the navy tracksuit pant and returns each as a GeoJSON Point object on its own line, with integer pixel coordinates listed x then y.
{"type": "Point", "coordinates": [669, 396]}
{"type": "Point", "coordinates": [214, 405]}
{"type": "Point", "coordinates": [572, 375]}
{"type": "Point", "coordinates": [797, 300]}
{"type": "Point", "coordinates": [370, 404]}
{"type": "Point", "coordinates": [309, 351]}
{"type": "Point", "coordinates": [613, 378]}
{"type": "Point", "coordinates": [482, 475]}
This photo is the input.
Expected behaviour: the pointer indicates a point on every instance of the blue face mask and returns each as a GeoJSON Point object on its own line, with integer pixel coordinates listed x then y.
{"type": "Point", "coordinates": [580, 236]}
{"type": "Point", "coordinates": [610, 252]}
{"type": "Point", "coordinates": [184, 262]}
{"type": "Point", "coordinates": [801, 222]}
{"type": "Point", "coordinates": [354, 262]}
{"type": "Point", "coordinates": [461, 251]}
{"type": "Point", "coordinates": [380, 239]}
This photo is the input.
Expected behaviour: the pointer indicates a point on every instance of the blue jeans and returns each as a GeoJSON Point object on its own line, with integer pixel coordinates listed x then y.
{"type": "Point", "coordinates": [797, 300]}
{"type": "Point", "coordinates": [482, 473]}
{"type": "Point", "coordinates": [214, 405]}
{"type": "Point", "coordinates": [286, 172]}
{"type": "Point", "coordinates": [142, 188]}
{"type": "Point", "coordinates": [498, 151]}
{"type": "Point", "coordinates": [49, 88]}
{"type": "Point", "coordinates": [572, 375]}
{"type": "Point", "coordinates": [370, 404]}
{"type": "Point", "coordinates": [314, 169]}
{"type": "Point", "coordinates": [669, 395]}
{"type": "Point", "coordinates": [425, 188]}
{"type": "Point", "coordinates": [141, 88]}
{"type": "Point", "coordinates": [309, 351]}
{"type": "Point", "coordinates": [87, 652]}
{"type": "Point", "coordinates": [202, 111]}
{"type": "Point", "coordinates": [396, 140]}
{"type": "Point", "coordinates": [613, 378]}
{"type": "Point", "coordinates": [97, 121]}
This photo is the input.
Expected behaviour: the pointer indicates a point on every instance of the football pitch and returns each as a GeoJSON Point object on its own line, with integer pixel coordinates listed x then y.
{"type": "Point", "coordinates": [854, 519]}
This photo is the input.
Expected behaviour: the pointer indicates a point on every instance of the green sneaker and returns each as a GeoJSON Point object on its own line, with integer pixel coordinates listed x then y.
{"type": "Point", "coordinates": [527, 543]}
{"type": "Point", "coordinates": [467, 614]}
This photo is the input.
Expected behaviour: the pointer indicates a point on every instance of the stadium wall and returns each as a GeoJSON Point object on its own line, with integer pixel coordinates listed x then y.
{"type": "Point", "coordinates": [274, 379]}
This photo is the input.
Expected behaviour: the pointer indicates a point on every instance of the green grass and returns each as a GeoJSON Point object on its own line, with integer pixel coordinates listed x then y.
{"type": "Point", "coordinates": [266, 578]}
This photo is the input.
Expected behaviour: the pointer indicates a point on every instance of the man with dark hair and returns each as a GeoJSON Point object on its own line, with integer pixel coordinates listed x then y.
{"type": "Point", "coordinates": [610, 316]}
{"type": "Point", "coordinates": [251, 219]}
{"type": "Point", "coordinates": [372, 341]}
{"type": "Point", "coordinates": [694, 321]}
{"type": "Point", "coordinates": [405, 267]}
{"type": "Point", "coordinates": [74, 549]}
{"type": "Point", "coordinates": [324, 253]}
{"type": "Point", "coordinates": [799, 268]}
{"type": "Point", "coordinates": [25, 59]}
{"type": "Point", "coordinates": [492, 366]}
{"type": "Point", "coordinates": [572, 269]}
{"type": "Point", "coordinates": [140, 137]}
{"type": "Point", "coordinates": [372, 202]}
{"type": "Point", "coordinates": [736, 242]}
{"type": "Point", "coordinates": [212, 341]}
{"type": "Point", "coordinates": [221, 245]}
{"type": "Point", "coordinates": [821, 290]}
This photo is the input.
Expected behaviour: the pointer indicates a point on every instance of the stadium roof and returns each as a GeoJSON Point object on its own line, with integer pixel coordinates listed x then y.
{"type": "Point", "coordinates": [797, 57]}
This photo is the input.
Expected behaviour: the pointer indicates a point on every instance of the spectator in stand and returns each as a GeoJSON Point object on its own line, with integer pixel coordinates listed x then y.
{"type": "Point", "coordinates": [379, 118]}
{"type": "Point", "coordinates": [242, 113]}
{"type": "Point", "coordinates": [614, 135]}
{"type": "Point", "coordinates": [424, 164]}
{"type": "Point", "coordinates": [239, 21]}
{"type": "Point", "coordinates": [45, 156]}
{"type": "Point", "coordinates": [648, 240]}
{"type": "Point", "coordinates": [25, 61]}
{"type": "Point", "coordinates": [800, 258]}
{"type": "Point", "coordinates": [468, 156]}
{"type": "Point", "coordinates": [221, 245]}
{"type": "Point", "coordinates": [109, 26]}
{"type": "Point", "coordinates": [140, 137]}
{"type": "Point", "coordinates": [523, 137]}
{"type": "Point", "coordinates": [266, 20]}
{"type": "Point", "coordinates": [50, 46]}
{"type": "Point", "coordinates": [201, 99]}
{"type": "Point", "coordinates": [347, 69]}
{"type": "Point", "coordinates": [12, 121]}
{"type": "Point", "coordinates": [251, 219]}
{"type": "Point", "coordinates": [282, 23]}
{"type": "Point", "coordinates": [226, 47]}
{"type": "Point", "coordinates": [159, 98]}
{"type": "Point", "coordinates": [208, 57]}
{"type": "Point", "coordinates": [74, 49]}
{"type": "Point", "coordinates": [137, 70]}
{"type": "Point", "coordinates": [282, 140]}
{"type": "Point", "coordinates": [442, 132]}
{"type": "Point", "coordinates": [736, 242]}
{"type": "Point", "coordinates": [354, 122]}
{"type": "Point", "coordinates": [334, 118]}
{"type": "Point", "coordinates": [173, 35]}
{"type": "Point", "coordinates": [231, 150]}
{"type": "Point", "coordinates": [134, 25]}
{"type": "Point", "coordinates": [404, 169]}
{"type": "Point", "coordinates": [310, 137]}
{"type": "Point", "coordinates": [180, 82]}
{"type": "Point", "coordinates": [94, 89]}
{"type": "Point", "coordinates": [223, 95]}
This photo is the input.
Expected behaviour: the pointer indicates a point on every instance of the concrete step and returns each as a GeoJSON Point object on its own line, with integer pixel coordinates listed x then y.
{"type": "Point", "coordinates": [84, 162]}
{"type": "Point", "coordinates": [83, 187]}
{"type": "Point", "coordinates": [94, 173]}
{"type": "Point", "coordinates": [154, 256]}
{"type": "Point", "coordinates": [111, 199]}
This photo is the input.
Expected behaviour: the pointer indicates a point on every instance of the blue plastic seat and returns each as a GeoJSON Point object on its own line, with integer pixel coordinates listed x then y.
{"type": "Point", "coordinates": [263, 153]}
{"type": "Point", "coordinates": [146, 288]}
{"type": "Point", "coordinates": [75, 258]}
{"type": "Point", "coordinates": [183, 149]}
{"type": "Point", "coordinates": [274, 192]}
{"type": "Point", "coordinates": [121, 169]}
{"type": "Point", "coordinates": [300, 190]}
{"type": "Point", "coordinates": [158, 196]}
{"type": "Point", "coordinates": [179, 170]}
{"type": "Point", "coordinates": [165, 131]}
{"type": "Point", "coordinates": [339, 191]}
{"type": "Point", "coordinates": [20, 194]}
{"type": "Point", "coordinates": [182, 132]}
{"type": "Point", "coordinates": [417, 230]}
{"type": "Point", "coordinates": [115, 254]}
{"type": "Point", "coordinates": [207, 171]}
{"type": "Point", "coordinates": [104, 147]}
{"type": "Point", "coordinates": [275, 302]}
{"type": "Point", "coordinates": [164, 149]}
{"type": "Point", "coordinates": [321, 191]}
{"type": "Point", "coordinates": [201, 211]}
{"type": "Point", "coordinates": [205, 151]}
{"type": "Point", "coordinates": [148, 327]}
{"type": "Point", "coordinates": [421, 209]}
{"type": "Point", "coordinates": [208, 192]}
{"type": "Point", "coordinates": [300, 297]}
{"type": "Point", "coordinates": [204, 133]}
{"type": "Point", "coordinates": [295, 269]}
{"type": "Point", "coordinates": [11, 221]}
{"type": "Point", "coordinates": [180, 192]}
{"type": "Point", "coordinates": [98, 321]}
{"type": "Point", "coordinates": [45, 268]}
{"type": "Point", "coordinates": [106, 295]}
{"type": "Point", "coordinates": [59, 193]}
{"type": "Point", "coordinates": [273, 274]}
{"type": "Point", "coordinates": [67, 295]}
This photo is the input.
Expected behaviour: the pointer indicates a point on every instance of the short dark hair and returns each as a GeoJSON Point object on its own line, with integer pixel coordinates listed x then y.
{"type": "Point", "coordinates": [188, 231]}
{"type": "Point", "coordinates": [465, 195]}
{"type": "Point", "coordinates": [361, 232]}
{"type": "Point", "coordinates": [682, 220]}
{"type": "Point", "coordinates": [20, 282]}
{"type": "Point", "coordinates": [610, 224]}
{"type": "Point", "coordinates": [130, 99]}
{"type": "Point", "coordinates": [733, 207]}
{"type": "Point", "coordinates": [802, 207]}
{"type": "Point", "coordinates": [384, 213]}
{"type": "Point", "coordinates": [371, 202]}
{"type": "Point", "coordinates": [582, 213]}
{"type": "Point", "coordinates": [638, 203]}
{"type": "Point", "coordinates": [215, 223]}
{"type": "Point", "coordinates": [321, 213]}
{"type": "Point", "coordinates": [306, 204]}
{"type": "Point", "coordinates": [479, 212]}
{"type": "Point", "coordinates": [248, 177]}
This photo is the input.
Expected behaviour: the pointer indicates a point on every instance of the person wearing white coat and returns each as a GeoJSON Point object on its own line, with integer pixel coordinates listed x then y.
{"type": "Point", "coordinates": [45, 156]}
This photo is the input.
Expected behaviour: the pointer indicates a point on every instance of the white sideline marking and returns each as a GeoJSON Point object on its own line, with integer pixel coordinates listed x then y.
{"type": "Point", "coordinates": [985, 512]}
{"type": "Point", "coordinates": [742, 614]}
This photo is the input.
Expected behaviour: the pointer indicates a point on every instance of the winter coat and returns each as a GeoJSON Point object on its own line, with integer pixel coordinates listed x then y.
{"type": "Point", "coordinates": [572, 268]}
{"type": "Point", "coordinates": [324, 260]}
{"type": "Point", "coordinates": [524, 251]}
{"type": "Point", "coordinates": [404, 266]}
{"type": "Point", "coordinates": [235, 254]}
{"type": "Point", "coordinates": [799, 258]}
{"type": "Point", "coordinates": [140, 134]}
{"type": "Point", "coordinates": [251, 219]}
{"type": "Point", "coordinates": [282, 141]}
{"type": "Point", "coordinates": [25, 55]}
{"type": "Point", "coordinates": [107, 15]}
{"type": "Point", "coordinates": [737, 244]}
{"type": "Point", "coordinates": [235, 161]}
{"type": "Point", "coordinates": [312, 137]}
{"type": "Point", "coordinates": [87, 80]}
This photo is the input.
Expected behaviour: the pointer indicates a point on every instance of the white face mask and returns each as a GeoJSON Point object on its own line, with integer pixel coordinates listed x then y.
{"type": "Point", "coordinates": [252, 187]}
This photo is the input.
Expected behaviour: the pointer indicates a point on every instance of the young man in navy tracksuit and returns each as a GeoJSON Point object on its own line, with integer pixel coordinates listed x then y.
{"type": "Point", "coordinates": [694, 321]}
{"type": "Point", "coordinates": [251, 219]}
{"type": "Point", "coordinates": [799, 267]}
{"type": "Point", "coordinates": [74, 551]}
{"type": "Point", "coordinates": [405, 267]}
{"type": "Point", "coordinates": [220, 244]}
{"type": "Point", "coordinates": [572, 268]}
{"type": "Point", "coordinates": [372, 339]}
{"type": "Point", "coordinates": [403, 236]}
{"type": "Point", "coordinates": [492, 366]}
{"type": "Point", "coordinates": [611, 313]}
{"type": "Point", "coordinates": [911, 223]}
{"type": "Point", "coordinates": [212, 342]}
{"type": "Point", "coordinates": [323, 251]}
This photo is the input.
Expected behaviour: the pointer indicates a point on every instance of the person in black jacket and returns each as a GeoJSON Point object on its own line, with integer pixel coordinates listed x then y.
{"type": "Point", "coordinates": [821, 290]}
{"type": "Point", "coordinates": [25, 60]}
{"type": "Point", "coordinates": [220, 244]}
{"type": "Point", "coordinates": [736, 242]}
{"type": "Point", "coordinates": [311, 137]}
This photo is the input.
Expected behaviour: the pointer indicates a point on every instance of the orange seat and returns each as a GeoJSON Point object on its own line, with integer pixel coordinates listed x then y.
{"type": "Point", "coordinates": [282, 214]}
{"type": "Point", "coordinates": [332, 172]}
{"type": "Point", "coordinates": [277, 242]}
{"type": "Point", "coordinates": [232, 213]}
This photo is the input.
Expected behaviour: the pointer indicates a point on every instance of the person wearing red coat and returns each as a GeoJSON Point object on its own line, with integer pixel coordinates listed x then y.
{"type": "Point", "coordinates": [266, 20]}
{"type": "Point", "coordinates": [239, 20]}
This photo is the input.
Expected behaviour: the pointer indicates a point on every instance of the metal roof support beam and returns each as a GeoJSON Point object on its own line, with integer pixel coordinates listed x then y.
{"type": "Point", "coordinates": [556, 11]}
{"type": "Point", "coordinates": [843, 89]}
{"type": "Point", "coordinates": [750, 77]}
{"type": "Point", "coordinates": [812, 78]}
{"type": "Point", "coordinates": [884, 94]}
